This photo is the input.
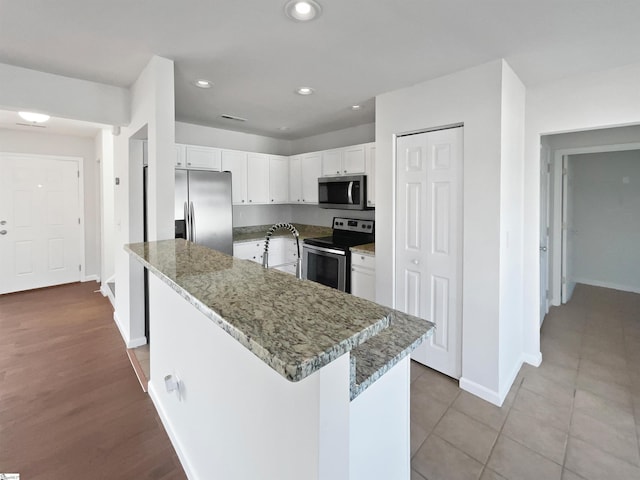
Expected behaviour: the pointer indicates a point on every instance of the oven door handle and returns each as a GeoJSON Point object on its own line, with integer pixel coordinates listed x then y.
{"type": "Point", "coordinates": [324, 250]}
{"type": "Point", "coordinates": [350, 193]}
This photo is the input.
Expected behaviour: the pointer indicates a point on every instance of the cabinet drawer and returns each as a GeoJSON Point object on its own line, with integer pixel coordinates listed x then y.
{"type": "Point", "coordinates": [363, 260]}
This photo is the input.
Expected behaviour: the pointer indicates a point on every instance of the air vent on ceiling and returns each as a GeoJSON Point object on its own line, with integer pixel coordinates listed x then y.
{"type": "Point", "coordinates": [232, 117]}
{"type": "Point", "coordinates": [31, 125]}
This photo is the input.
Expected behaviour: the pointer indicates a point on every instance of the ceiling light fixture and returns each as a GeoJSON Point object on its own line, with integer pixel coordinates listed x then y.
{"type": "Point", "coordinates": [283, 129]}
{"type": "Point", "coordinates": [356, 107]}
{"type": "Point", "coordinates": [34, 117]}
{"type": "Point", "coordinates": [203, 83]}
{"type": "Point", "coordinates": [302, 10]}
{"type": "Point", "coordinates": [304, 91]}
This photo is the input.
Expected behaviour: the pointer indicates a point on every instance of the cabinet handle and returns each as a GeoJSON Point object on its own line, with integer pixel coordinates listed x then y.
{"type": "Point", "coordinates": [242, 201]}
{"type": "Point", "coordinates": [179, 163]}
{"type": "Point", "coordinates": [272, 199]}
{"type": "Point", "coordinates": [345, 171]}
{"type": "Point", "coordinates": [250, 200]}
{"type": "Point", "coordinates": [189, 163]}
{"type": "Point", "coordinates": [337, 171]}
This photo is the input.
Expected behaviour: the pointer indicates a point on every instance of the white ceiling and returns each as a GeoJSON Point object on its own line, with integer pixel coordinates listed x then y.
{"type": "Point", "coordinates": [354, 51]}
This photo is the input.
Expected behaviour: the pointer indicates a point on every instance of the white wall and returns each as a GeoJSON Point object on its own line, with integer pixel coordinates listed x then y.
{"type": "Point", "coordinates": [104, 152]}
{"type": "Point", "coordinates": [152, 117]}
{"type": "Point", "coordinates": [511, 225]}
{"type": "Point", "coordinates": [606, 219]}
{"type": "Point", "coordinates": [339, 138]}
{"type": "Point", "coordinates": [323, 217]}
{"type": "Point", "coordinates": [603, 99]}
{"type": "Point", "coordinates": [191, 134]}
{"type": "Point", "coordinates": [84, 147]}
{"type": "Point", "coordinates": [63, 96]}
{"type": "Point", "coordinates": [472, 97]}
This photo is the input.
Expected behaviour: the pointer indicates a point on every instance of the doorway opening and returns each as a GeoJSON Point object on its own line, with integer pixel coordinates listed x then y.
{"type": "Point", "coordinates": [589, 215]}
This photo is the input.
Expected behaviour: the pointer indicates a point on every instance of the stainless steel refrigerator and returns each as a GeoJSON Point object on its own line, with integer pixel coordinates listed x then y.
{"type": "Point", "coordinates": [203, 208]}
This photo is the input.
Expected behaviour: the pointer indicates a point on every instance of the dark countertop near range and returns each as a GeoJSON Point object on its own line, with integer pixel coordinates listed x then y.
{"type": "Point", "coordinates": [294, 326]}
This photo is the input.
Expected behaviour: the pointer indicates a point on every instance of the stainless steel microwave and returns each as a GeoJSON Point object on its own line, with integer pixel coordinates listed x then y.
{"type": "Point", "coordinates": [344, 192]}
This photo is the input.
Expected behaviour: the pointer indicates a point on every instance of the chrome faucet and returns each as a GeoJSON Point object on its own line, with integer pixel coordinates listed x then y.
{"type": "Point", "coordinates": [296, 235]}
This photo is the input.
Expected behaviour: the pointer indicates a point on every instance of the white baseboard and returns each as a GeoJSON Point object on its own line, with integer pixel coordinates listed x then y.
{"type": "Point", "coordinates": [137, 342]}
{"type": "Point", "coordinates": [90, 278]}
{"type": "Point", "coordinates": [508, 383]}
{"type": "Point", "coordinates": [613, 286]}
{"type": "Point", "coordinates": [182, 455]}
{"type": "Point", "coordinates": [532, 359]}
{"type": "Point", "coordinates": [478, 390]}
{"type": "Point", "coordinates": [124, 336]}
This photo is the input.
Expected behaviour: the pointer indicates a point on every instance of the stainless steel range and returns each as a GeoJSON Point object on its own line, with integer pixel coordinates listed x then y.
{"type": "Point", "coordinates": [327, 260]}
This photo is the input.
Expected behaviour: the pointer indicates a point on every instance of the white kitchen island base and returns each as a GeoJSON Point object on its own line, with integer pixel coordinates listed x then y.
{"type": "Point", "coordinates": [235, 418]}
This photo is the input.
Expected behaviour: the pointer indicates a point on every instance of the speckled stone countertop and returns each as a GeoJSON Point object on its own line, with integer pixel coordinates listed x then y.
{"type": "Point", "coordinates": [368, 248]}
{"type": "Point", "coordinates": [258, 232]}
{"type": "Point", "coordinates": [294, 326]}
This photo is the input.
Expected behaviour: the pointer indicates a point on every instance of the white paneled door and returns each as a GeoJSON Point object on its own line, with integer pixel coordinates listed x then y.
{"type": "Point", "coordinates": [40, 231]}
{"type": "Point", "coordinates": [429, 239]}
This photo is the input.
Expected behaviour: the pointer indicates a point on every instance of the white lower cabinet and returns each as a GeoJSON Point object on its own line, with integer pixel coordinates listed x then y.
{"type": "Point", "coordinates": [363, 276]}
{"type": "Point", "coordinates": [281, 250]}
{"type": "Point", "coordinates": [251, 250]}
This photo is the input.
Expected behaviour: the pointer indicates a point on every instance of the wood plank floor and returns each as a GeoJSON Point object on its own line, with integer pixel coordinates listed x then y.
{"type": "Point", "coordinates": [70, 404]}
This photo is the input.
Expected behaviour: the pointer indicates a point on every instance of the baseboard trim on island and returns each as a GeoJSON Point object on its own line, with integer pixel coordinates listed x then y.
{"type": "Point", "coordinates": [533, 360]}
{"type": "Point", "coordinates": [166, 423]}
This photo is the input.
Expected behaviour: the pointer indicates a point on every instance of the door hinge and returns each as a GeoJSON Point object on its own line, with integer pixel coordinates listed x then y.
{"type": "Point", "coordinates": [548, 295]}
{"type": "Point", "coordinates": [78, 220]}
{"type": "Point", "coordinates": [564, 171]}
{"type": "Point", "coordinates": [78, 172]}
{"type": "Point", "coordinates": [548, 168]}
{"type": "Point", "coordinates": [547, 231]}
{"type": "Point", "coordinates": [79, 268]}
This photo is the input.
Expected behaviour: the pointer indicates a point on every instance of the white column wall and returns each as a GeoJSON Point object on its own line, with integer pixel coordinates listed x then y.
{"type": "Point", "coordinates": [472, 97]}
{"type": "Point", "coordinates": [511, 226]}
{"type": "Point", "coordinates": [603, 99]}
{"type": "Point", "coordinates": [153, 112]}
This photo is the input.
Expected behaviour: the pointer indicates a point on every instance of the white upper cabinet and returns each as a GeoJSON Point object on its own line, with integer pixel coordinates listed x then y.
{"type": "Point", "coordinates": [343, 161]}
{"type": "Point", "coordinates": [236, 163]}
{"type": "Point", "coordinates": [370, 170]}
{"type": "Point", "coordinates": [353, 159]}
{"type": "Point", "coordinates": [180, 155]}
{"type": "Point", "coordinates": [311, 170]}
{"type": "Point", "coordinates": [332, 162]}
{"type": "Point", "coordinates": [203, 157]}
{"type": "Point", "coordinates": [278, 179]}
{"type": "Point", "coordinates": [257, 178]}
{"type": "Point", "coordinates": [295, 179]}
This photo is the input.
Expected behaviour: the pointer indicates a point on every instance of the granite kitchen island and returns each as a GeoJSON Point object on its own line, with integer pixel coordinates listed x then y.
{"type": "Point", "coordinates": [278, 378]}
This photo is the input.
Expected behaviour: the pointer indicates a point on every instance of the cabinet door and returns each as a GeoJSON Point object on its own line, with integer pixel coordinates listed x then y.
{"type": "Point", "coordinates": [236, 162]}
{"type": "Point", "coordinates": [311, 169]}
{"type": "Point", "coordinates": [363, 283]}
{"type": "Point", "coordinates": [249, 250]}
{"type": "Point", "coordinates": [257, 178]}
{"type": "Point", "coordinates": [180, 155]}
{"type": "Point", "coordinates": [278, 179]}
{"type": "Point", "coordinates": [203, 157]}
{"type": "Point", "coordinates": [353, 159]}
{"type": "Point", "coordinates": [370, 171]}
{"type": "Point", "coordinates": [295, 180]}
{"type": "Point", "coordinates": [332, 162]}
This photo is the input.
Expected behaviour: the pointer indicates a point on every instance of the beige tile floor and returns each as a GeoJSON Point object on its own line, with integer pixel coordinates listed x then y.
{"type": "Point", "coordinates": [577, 416]}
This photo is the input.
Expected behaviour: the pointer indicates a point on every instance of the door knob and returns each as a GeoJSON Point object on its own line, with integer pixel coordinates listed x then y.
{"type": "Point", "coordinates": [416, 262]}
{"type": "Point", "coordinates": [3, 232]}
{"type": "Point", "coordinates": [543, 249]}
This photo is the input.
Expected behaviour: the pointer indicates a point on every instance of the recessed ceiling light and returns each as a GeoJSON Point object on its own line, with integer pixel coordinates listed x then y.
{"type": "Point", "coordinates": [283, 129]}
{"type": "Point", "coordinates": [304, 90]}
{"type": "Point", "coordinates": [302, 10]}
{"type": "Point", "coordinates": [356, 107]}
{"type": "Point", "coordinates": [34, 117]}
{"type": "Point", "coordinates": [203, 83]}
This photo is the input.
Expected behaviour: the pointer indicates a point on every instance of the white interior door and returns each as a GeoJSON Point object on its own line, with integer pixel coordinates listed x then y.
{"type": "Point", "coordinates": [568, 284]}
{"type": "Point", "coordinates": [545, 177]}
{"type": "Point", "coordinates": [428, 241]}
{"type": "Point", "coordinates": [40, 232]}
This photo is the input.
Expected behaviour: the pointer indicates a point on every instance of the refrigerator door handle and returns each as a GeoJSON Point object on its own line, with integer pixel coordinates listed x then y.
{"type": "Point", "coordinates": [193, 223]}
{"type": "Point", "coordinates": [186, 222]}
